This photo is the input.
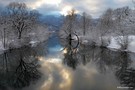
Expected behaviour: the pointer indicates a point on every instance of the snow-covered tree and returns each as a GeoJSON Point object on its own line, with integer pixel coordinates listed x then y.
{"type": "Point", "coordinates": [68, 23]}
{"type": "Point", "coordinates": [121, 26]}
{"type": "Point", "coordinates": [86, 23]}
{"type": "Point", "coordinates": [69, 27]}
{"type": "Point", "coordinates": [5, 33]}
{"type": "Point", "coordinates": [105, 26]}
{"type": "Point", "coordinates": [87, 31]}
{"type": "Point", "coordinates": [21, 18]}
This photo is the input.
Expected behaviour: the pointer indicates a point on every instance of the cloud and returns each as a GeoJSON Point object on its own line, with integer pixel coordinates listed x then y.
{"type": "Point", "coordinates": [121, 3]}
{"type": "Point", "coordinates": [92, 7]}
{"type": "Point", "coordinates": [40, 3]}
{"type": "Point", "coordinates": [48, 9]}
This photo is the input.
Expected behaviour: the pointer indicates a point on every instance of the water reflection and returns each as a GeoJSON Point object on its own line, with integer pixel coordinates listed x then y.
{"type": "Point", "coordinates": [105, 61]}
{"type": "Point", "coordinates": [70, 58]}
{"type": "Point", "coordinates": [18, 69]}
{"type": "Point", "coordinates": [88, 68]}
{"type": "Point", "coordinates": [54, 45]}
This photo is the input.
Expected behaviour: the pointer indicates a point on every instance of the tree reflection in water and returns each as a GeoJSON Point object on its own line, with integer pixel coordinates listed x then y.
{"type": "Point", "coordinates": [19, 69]}
{"type": "Point", "coordinates": [125, 73]}
{"type": "Point", "coordinates": [70, 58]}
{"type": "Point", "coordinates": [117, 61]}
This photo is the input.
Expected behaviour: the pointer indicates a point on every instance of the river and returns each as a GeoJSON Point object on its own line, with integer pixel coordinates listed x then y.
{"type": "Point", "coordinates": [49, 66]}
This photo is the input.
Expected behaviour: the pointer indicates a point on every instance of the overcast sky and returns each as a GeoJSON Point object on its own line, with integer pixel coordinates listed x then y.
{"type": "Point", "coordinates": [92, 7]}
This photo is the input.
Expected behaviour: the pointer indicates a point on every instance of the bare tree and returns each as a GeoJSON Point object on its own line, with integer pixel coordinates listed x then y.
{"type": "Point", "coordinates": [86, 22]}
{"type": "Point", "coordinates": [105, 25]}
{"type": "Point", "coordinates": [4, 30]}
{"type": "Point", "coordinates": [121, 20]}
{"type": "Point", "coordinates": [68, 29]}
{"type": "Point", "coordinates": [86, 30]}
{"type": "Point", "coordinates": [69, 23]}
{"type": "Point", "coordinates": [21, 18]}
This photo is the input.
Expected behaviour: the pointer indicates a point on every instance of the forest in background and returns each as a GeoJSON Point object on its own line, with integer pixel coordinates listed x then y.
{"type": "Point", "coordinates": [22, 26]}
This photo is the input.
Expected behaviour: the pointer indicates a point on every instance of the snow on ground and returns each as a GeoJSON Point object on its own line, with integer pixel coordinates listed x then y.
{"type": "Point", "coordinates": [34, 40]}
{"type": "Point", "coordinates": [2, 49]}
{"type": "Point", "coordinates": [33, 43]}
{"type": "Point", "coordinates": [114, 42]}
{"type": "Point", "coordinates": [130, 47]}
{"type": "Point", "coordinates": [85, 41]}
{"type": "Point", "coordinates": [131, 44]}
{"type": "Point", "coordinates": [1, 46]}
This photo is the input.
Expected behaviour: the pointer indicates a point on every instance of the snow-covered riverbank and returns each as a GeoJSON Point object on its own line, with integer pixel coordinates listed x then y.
{"type": "Point", "coordinates": [113, 43]}
{"type": "Point", "coordinates": [33, 40]}
{"type": "Point", "coordinates": [130, 43]}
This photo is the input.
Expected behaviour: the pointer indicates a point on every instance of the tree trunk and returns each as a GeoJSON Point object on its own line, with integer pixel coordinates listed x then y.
{"type": "Point", "coordinates": [19, 35]}
{"type": "Point", "coordinates": [70, 41]}
{"type": "Point", "coordinates": [4, 41]}
{"type": "Point", "coordinates": [84, 22]}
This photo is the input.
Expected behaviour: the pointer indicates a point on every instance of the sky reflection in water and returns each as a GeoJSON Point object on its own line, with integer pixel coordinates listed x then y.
{"type": "Point", "coordinates": [61, 77]}
{"type": "Point", "coordinates": [96, 72]}
{"type": "Point", "coordinates": [57, 76]}
{"type": "Point", "coordinates": [88, 69]}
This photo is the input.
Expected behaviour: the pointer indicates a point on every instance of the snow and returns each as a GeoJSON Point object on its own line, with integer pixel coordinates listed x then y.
{"type": "Point", "coordinates": [85, 41]}
{"type": "Point", "coordinates": [40, 34]}
{"type": "Point", "coordinates": [113, 44]}
{"type": "Point", "coordinates": [1, 46]}
{"type": "Point", "coordinates": [130, 47]}
{"type": "Point", "coordinates": [33, 43]}
{"type": "Point", "coordinates": [2, 49]}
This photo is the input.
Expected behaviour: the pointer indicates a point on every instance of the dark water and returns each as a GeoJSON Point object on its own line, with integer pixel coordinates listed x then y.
{"type": "Point", "coordinates": [47, 67]}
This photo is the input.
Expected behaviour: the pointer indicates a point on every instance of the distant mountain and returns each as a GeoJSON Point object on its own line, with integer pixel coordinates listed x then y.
{"type": "Point", "coordinates": [52, 21]}
{"type": "Point", "coordinates": [95, 21]}
{"type": "Point", "coordinates": [55, 21]}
